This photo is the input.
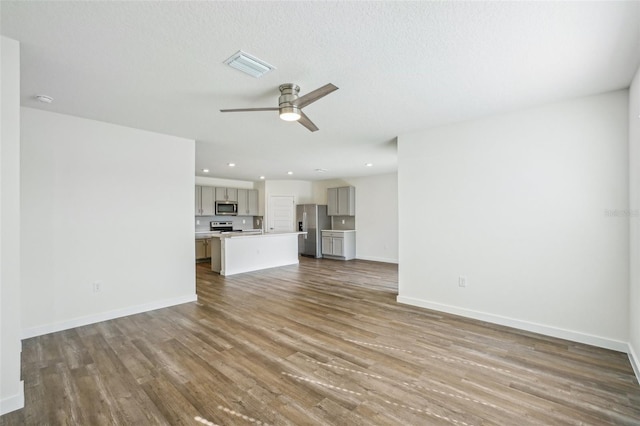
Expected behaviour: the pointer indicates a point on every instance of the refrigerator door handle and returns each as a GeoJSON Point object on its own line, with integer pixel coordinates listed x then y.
{"type": "Point", "coordinates": [304, 223]}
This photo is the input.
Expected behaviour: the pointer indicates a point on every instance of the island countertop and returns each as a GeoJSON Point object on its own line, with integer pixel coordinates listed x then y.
{"type": "Point", "coordinates": [237, 252]}
{"type": "Point", "coordinates": [252, 234]}
{"type": "Point", "coordinates": [220, 234]}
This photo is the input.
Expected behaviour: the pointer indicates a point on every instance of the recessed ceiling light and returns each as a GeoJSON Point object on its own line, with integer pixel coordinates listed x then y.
{"type": "Point", "coordinates": [249, 64]}
{"type": "Point", "coordinates": [289, 173]}
{"type": "Point", "coordinates": [44, 99]}
{"type": "Point", "coordinates": [205, 170]}
{"type": "Point", "coordinates": [261, 177]}
{"type": "Point", "coordinates": [368, 164]}
{"type": "Point", "coordinates": [231, 164]}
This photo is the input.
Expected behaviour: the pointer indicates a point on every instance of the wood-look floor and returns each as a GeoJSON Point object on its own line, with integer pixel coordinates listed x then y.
{"type": "Point", "coordinates": [320, 343]}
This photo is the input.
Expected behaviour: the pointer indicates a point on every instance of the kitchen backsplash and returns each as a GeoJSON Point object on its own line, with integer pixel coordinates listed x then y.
{"type": "Point", "coordinates": [250, 222]}
{"type": "Point", "coordinates": [337, 222]}
{"type": "Point", "coordinates": [255, 222]}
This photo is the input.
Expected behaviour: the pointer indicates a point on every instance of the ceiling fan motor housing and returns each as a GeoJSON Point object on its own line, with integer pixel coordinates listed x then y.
{"type": "Point", "coordinates": [289, 93]}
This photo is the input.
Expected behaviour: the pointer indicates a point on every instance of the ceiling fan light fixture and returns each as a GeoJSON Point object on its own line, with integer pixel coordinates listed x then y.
{"type": "Point", "coordinates": [290, 113]}
{"type": "Point", "coordinates": [249, 64]}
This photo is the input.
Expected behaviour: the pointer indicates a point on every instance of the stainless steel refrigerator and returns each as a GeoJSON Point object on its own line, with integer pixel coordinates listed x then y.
{"type": "Point", "coordinates": [311, 218]}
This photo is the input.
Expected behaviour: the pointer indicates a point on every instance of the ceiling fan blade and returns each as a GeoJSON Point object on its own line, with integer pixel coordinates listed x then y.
{"type": "Point", "coordinates": [304, 120]}
{"type": "Point", "coordinates": [250, 109]}
{"type": "Point", "coordinates": [310, 97]}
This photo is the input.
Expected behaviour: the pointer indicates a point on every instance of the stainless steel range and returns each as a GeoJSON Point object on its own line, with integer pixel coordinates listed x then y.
{"type": "Point", "coordinates": [223, 227]}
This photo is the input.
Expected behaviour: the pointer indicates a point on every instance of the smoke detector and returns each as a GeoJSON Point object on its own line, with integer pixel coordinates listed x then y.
{"type": "Point", "coordinates": [44, 99]}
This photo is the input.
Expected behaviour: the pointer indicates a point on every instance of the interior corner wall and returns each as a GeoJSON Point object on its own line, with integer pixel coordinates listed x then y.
{"type": "Point", "coordinates": [107, 214]}
{"type": "Point", "coordinates": [11, 387]}
{"type": "Point", "coordinates": [634, 219]}
{"type": "Point", "coordinates": [376, 214]}
{"type": "Point", "coordinates": [532, 208]}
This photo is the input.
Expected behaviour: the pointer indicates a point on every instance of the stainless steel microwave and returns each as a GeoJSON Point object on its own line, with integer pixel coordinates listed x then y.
{"type": "Point", "coordinates": [226, 208]}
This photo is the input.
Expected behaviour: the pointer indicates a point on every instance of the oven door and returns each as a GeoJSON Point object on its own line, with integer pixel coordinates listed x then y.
{"type": "Point", "coordinates": [226, 208]}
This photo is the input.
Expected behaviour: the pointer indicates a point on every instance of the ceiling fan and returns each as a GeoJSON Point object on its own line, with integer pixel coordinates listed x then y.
{"type": "Point", "coordinates": [290, 105]}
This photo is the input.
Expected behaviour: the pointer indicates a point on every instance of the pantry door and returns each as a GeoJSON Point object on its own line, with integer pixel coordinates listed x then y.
{"type": "Point", "coordinates": [281, 213]}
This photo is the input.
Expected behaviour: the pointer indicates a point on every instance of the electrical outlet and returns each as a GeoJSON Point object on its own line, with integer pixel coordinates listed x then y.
{"type": "Point", "coordinates": [462, 281]}
{"type": "Point", "coordinates": [97, 286]}
{"type": "Point", "coordinates": [244, 221]}
{"type": "Point", "coordinates": [343, 221]}
{"type": "Point", "coordinates": [197, 222]}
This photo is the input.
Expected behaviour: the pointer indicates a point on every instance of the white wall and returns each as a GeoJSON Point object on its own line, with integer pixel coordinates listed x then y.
{"type": "Point", "coordinates": [634, 218]}
{"type": "Point", "coordinates": [301, 190]}
{"type": "Point", "coordinates": [11, 387]}
{"type": "Point", "coordinates": [108, 204]}
{"type": "Point", "coordinates": [227, 183]}
{"type": "Point", "coordinates": [376, 214]}
{"type": "Point", "coordinates": [527, 206]}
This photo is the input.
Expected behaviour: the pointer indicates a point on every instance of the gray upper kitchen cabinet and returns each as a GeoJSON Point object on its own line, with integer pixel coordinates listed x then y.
{"type": "Point", "coordinates": [198, 207]}
{"type": "Point", "coordinates": [248, 202]}
{"type": "Point", "coordinates": [205, 203]}
{"type": "Point", "coordinates": [226, 194]}
{"type": "Point", "coordinates": [341, 201]}
{"type": "Point", "coordinates": [332, 201]}
{"type": "Point", "coordinates": [252, 201]}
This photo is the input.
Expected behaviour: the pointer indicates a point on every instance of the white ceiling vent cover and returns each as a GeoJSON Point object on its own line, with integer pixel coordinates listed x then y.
{"type": "Point", "coordinates": [249, 64]}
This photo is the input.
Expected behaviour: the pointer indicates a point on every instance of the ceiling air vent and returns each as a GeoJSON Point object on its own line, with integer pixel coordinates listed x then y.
{"type": "Point", "coordinates": [249, 64]}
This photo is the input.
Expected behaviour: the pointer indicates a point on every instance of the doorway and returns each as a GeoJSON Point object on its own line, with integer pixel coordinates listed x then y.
{"type": "Point", "coordinates": [281, 213]}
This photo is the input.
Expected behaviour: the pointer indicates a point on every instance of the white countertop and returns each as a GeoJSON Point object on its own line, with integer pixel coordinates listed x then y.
{"type": "Point", "coordinates": [218, 234]}
{"type": "Point", "coordinates": [256, 235]}
{"type": "Point", "coordinates": [338, 230]}
{"type": "Point", "coordinates": [244, 234]}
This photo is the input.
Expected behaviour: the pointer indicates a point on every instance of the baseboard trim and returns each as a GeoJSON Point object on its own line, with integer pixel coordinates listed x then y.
{"type": "Point", "coordinates": [377, 259]}
{"type": "Point", "coordinates": [635, 361]}
{"type": "Point", "coordinates": [14, 402]}
{"type": "Point", "coordinates": [105, 316]}
{"type": "Point", "coordinates": [560, 333]}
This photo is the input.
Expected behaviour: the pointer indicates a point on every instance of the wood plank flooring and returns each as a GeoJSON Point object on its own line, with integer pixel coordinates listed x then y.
{"type": "Point", "coordinates": [320, 343]}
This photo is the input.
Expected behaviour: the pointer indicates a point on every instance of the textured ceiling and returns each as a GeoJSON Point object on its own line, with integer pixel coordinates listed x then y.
{"type": "Point", "coordinates": [400, 67]}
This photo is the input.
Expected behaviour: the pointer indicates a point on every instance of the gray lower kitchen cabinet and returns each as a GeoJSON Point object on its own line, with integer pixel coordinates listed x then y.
{"type": "Point", "coordinates": [248, 202]}
{"type": "Point", "coordinates": [226, 194]}
{"type": "Point", "coordinates": [203, 248]}
{"type": "Point", "coordinates": [341, 201]}
{"type": "Point", "coordinates": [339, 244]}
{"type": "Point", "coordinates": [205, 202]}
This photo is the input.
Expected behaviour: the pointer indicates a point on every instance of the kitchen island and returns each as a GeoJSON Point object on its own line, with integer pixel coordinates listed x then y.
{"type": "Point", "coordinates": [234, 253]}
